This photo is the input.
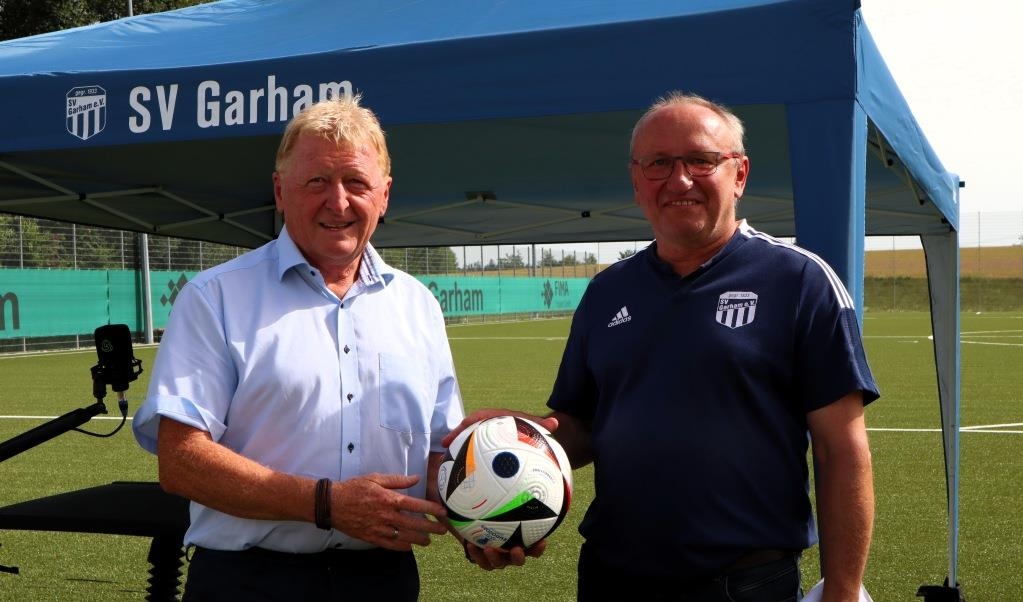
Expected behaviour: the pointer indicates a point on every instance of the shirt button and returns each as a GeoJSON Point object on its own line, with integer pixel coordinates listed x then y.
{"type": "Point", "coordinates": [350, 396]}
{"type": "Point", "coordinates": [347, 349]}
{"type": "Point", "coordinates": [351, 447]}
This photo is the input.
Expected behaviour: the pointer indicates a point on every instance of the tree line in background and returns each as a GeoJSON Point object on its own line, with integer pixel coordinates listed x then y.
{"type": "Point", "coordinates": [46, 244]}
{"type": "Point", "coordinates": [21, 18]}
{"type": "Point", "coordinates": [514, 260]}
{"type": "Point", "coordinates": [36, 243]}
{"type": "Point", "coordinates": [421, 260]}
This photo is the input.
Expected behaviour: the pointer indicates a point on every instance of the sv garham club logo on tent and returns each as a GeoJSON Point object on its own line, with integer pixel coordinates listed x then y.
{"type": "Point", "coordinates": [736, 309]}
{"type": "Point", "coordinates": [86, 111]}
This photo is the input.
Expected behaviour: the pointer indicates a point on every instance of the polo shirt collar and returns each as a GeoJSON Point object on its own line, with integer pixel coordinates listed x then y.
{"type": "Point", "coordinates": [738, 237]}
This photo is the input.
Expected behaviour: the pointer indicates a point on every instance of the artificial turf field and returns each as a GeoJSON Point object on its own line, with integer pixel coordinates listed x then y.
{"type": "Point", "coordinates": [513, 365]}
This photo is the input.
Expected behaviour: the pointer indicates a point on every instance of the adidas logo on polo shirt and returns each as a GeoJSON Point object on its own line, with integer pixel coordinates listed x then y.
{"type": "Point", "coordinates": [620, 318]}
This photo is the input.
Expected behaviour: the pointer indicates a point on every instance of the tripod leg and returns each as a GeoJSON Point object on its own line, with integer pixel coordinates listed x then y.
{"type": "Point", "coordinates": [165, 561]}
{"type": "Point", "coordinates": [8, 569]}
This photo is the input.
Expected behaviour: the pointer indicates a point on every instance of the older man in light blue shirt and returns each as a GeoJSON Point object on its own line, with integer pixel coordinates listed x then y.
{"type": "Point", "coordinates": [301, 391]}
{"type": "Point", "coordinates": [310, 385]}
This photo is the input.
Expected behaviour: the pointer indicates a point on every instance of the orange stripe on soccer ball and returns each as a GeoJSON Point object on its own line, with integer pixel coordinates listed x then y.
{"type": "Point", "coordinates": [470, 455]}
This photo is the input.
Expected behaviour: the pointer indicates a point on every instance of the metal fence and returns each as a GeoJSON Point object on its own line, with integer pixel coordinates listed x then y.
{"type": "Point", "coordinates": [990, 260]}
{"type": "Point", "coordinates": [36, 243]}
{"type": "Point", "coordinates": [991, 257]}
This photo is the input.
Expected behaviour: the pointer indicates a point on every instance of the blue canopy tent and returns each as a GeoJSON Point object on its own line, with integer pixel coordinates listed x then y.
{"type": "Point", "coordinates": [508, 123]}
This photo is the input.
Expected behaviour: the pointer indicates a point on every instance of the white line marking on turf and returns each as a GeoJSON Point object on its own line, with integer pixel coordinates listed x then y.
{"type": "Point", "coordinates": [992, 426]}
{"type": "Point", "coordinates": [507, 338]}
{"type": "Point", "coordinates": [966, 338]}
{"type": "Point", "coordinates": [961, 430]}
{"type": "Point", "coordinates": [980, 428]}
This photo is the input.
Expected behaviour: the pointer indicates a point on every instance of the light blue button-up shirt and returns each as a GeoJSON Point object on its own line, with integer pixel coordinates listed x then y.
{"type": "Point", "coordinates": [262, 355]}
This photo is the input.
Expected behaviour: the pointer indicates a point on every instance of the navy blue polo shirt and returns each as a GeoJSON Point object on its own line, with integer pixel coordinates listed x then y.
{"type": "Point", "coordinates": [697, 390]}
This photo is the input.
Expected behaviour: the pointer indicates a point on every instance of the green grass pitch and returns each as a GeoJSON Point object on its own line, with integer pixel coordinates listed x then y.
{"type": "Point", "coordinates": [513, 365]}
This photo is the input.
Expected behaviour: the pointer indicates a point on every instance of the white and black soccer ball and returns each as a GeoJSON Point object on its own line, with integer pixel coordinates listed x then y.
{"type": "Point", "coordinates": [505, 482]}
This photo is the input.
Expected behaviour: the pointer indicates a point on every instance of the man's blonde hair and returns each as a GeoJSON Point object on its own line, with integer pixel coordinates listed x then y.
{"type": "Point", "coordinates": [340, 120]}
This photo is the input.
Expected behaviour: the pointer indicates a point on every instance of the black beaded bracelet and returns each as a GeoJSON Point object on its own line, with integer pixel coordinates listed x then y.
{"type": "Point", "coordinates": [321, 509]}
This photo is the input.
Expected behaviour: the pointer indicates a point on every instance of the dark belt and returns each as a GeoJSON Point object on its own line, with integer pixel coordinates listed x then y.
{"type": "Point", "coordinates": [351, 561]}
{"type": "Point", "coordinates": [757, 558]}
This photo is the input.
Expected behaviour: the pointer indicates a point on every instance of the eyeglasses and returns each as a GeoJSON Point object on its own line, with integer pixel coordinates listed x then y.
{"type": "Point", "coordinates": [698, 165]}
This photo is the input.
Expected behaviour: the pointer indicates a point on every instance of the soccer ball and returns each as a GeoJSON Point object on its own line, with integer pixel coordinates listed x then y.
{"type": "Point", "coordinates": [505, 482]}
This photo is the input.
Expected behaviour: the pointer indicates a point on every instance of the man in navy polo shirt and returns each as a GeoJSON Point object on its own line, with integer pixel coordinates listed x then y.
{"type": "Point", "coordinates": [692, 374]}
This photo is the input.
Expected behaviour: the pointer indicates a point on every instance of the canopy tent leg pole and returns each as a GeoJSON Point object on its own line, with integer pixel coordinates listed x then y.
{"type": "Point", "coordinates": [829, 188]}
{"type": "Point", "coordinates": [829, 195]}
{"type": "Point", "coordinates": [942, 256]}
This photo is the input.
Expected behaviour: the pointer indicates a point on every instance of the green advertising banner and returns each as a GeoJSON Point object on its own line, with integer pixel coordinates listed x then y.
{"type": "Point", "coordinates": [39, 303]}
{"type": "Point", "coordinates": [164, 290]}
{"type": "Point", "coordinates": [492, 295]}
{"type": "Point", "coordinates": [48, 303]}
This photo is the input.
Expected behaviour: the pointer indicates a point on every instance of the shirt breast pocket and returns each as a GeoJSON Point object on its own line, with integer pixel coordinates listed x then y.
{"type": "Point", "coordinates": [405, 403]}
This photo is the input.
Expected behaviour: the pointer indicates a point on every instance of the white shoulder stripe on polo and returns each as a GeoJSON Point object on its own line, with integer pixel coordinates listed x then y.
{"type": "Point", "coordinates": [844, 298]}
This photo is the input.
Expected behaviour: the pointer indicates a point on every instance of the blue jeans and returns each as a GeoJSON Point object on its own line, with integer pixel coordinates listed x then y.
{"type": "Point", "coordinates": [775, 581]}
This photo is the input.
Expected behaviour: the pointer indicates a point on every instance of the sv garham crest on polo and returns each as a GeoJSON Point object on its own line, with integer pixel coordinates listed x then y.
{"type": "Point", "coordinates": [736, 309]}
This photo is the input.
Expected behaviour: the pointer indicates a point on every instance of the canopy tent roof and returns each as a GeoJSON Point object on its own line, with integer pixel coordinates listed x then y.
{"type": "Point", "coordinates": [508, 122]}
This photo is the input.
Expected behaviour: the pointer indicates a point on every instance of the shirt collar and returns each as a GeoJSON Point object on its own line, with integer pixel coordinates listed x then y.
{"type": "Point", "coordinates": [372, 270]}
{"type": "Point", "coordinates": [733, 242]}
